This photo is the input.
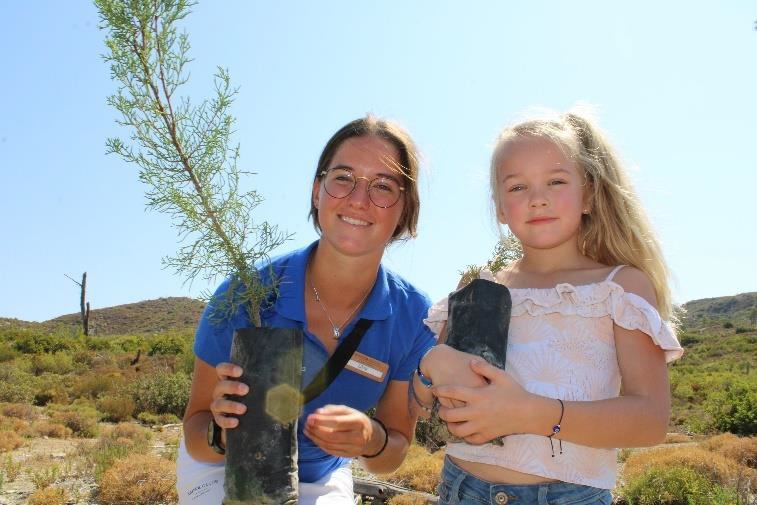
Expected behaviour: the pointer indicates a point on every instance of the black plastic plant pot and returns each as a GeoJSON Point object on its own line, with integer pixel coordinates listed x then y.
{"type": "Point", "coordinates": [261, 453]}
{"type": "Point", "coordinates": [478, 321]}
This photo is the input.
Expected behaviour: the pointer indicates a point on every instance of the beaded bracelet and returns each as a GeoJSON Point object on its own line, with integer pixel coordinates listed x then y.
{"type": "Point", "coordinates": [418, 400]}
{"type": "Point", "coordinates": [386, 440]}
{"type": "Point", "coordinates": [556, 429]}
{"type": "Point", "coordinates": [424, 380]}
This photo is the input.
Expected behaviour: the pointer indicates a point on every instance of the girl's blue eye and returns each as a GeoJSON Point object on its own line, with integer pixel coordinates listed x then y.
{"type": "Point", "coordinates": [556, 182]}
{"type": "Point", "coordinates": [517, 187]}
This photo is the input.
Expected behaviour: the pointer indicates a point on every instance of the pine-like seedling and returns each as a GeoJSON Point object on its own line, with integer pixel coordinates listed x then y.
{"type": "Point", "coordinates": [184, 151]}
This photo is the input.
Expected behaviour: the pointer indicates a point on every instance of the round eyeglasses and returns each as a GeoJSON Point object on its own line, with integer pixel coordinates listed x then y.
{"type": "Point", "coordinates": [382, 191]}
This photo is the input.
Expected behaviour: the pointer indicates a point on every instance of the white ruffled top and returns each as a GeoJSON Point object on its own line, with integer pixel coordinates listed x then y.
{"type": "Point", "coordinates": [561, 345]}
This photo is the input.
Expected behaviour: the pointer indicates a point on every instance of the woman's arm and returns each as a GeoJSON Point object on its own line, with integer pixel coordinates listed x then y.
{"type": "Point", "coordinates": [442, 365]}
{"type": "Point", "coordinates": [206, 400]}
{"type": "Point", "coordinates": [343, 431]}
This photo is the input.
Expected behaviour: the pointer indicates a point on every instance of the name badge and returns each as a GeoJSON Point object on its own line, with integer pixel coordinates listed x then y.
{"type": "Point", "coordinates": [367, 367]}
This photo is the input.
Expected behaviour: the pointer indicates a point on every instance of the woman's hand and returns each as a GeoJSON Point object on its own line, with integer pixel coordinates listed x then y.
{"type": "Point", "coordinates": [499, 408]}
{"type": "Point", "coordinates": [225, 411]}
{"type": "Point", "coordinates": [343, 431]}
{"type": "Point", "coordinates": [445, 365]}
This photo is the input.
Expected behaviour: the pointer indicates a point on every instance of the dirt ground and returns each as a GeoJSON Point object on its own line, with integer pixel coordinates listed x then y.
{"type": "Point", "coordinates": [40, 455]}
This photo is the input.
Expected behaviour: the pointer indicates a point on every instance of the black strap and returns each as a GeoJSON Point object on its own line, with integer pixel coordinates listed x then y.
{"type": "Point", "coordinates": [337, 361]}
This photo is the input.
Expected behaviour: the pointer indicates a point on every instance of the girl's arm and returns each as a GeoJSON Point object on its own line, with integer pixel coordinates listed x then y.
{"type": "Point", "coordinates": [639, 417]}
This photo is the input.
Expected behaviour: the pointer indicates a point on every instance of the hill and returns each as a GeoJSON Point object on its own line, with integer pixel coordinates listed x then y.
{"type": "Point", "coordinates": [739, 310]}
{"type": "Point", "coordinates": [147, 316]}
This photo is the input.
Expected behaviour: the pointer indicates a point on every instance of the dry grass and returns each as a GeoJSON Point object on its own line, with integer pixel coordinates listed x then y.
{"type": "Point", "coordinates": [131, 431]}
{"type": "Point", "coordinates": [139, 479]}
{"type": "Point", "coordinates": [715, 467]}
{"type": "Point", "coordinates": [19, 426]}
{"type": "Point", "coordinates": [420, 471]}
{"type": "Point", "coordinates": [20, 411]}
{"type": "Point", "coordinates": [50, 429]}
{"type": "Point", "coordinates": [742, 450]}
{"type": "Point", "coordinates": [10, 440]}
{"type": "Point", "coordinates": [11, 469]}
{"type": "Point", "coordinates": [677, 438]}
{"type": "Point", "coordinates": [48, 496]}
{"type": "Point", "coordinates": [406, 499]}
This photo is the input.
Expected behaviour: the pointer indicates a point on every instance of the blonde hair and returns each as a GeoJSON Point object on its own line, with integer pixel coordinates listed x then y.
{"type": "Point", "coordinates": [617, 230]}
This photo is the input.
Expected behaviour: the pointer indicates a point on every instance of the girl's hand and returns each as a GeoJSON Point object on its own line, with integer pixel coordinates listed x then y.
{"type": "Point", "coordinates": [225, 411]}
{"type": "Point", "coordinates": [494, 410]}
{"type": "Point", "coordinates": [445, 365]}
{"type": "Point", "coordinates": [342, 431]}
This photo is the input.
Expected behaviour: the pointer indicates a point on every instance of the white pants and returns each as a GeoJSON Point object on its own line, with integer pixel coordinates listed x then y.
{"type": "Point", "coordinates": [201, 483]}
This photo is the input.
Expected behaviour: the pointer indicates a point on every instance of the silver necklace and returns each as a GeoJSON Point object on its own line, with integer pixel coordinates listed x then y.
{"type": "Point", "coordinates": [336, 329]}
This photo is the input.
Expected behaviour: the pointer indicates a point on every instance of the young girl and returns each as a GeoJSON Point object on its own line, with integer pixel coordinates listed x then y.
{"type": "Point", "coordinates": [589, 338]}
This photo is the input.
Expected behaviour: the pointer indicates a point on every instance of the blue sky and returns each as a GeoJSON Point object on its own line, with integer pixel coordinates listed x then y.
{"type": "Point", "coordinates": [673, 82]}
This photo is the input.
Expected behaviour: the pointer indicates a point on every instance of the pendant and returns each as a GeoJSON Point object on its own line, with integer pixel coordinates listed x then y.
{"type": "Point", "coordinates": [335, 329]}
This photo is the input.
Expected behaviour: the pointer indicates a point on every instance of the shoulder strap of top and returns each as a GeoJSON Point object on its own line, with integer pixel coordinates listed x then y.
{"type": "Point", "coordinates": [614, 271]}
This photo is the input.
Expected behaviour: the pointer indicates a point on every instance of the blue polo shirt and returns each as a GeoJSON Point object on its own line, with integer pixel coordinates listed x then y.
{"type": "Point", "coordinates": [397, 338]}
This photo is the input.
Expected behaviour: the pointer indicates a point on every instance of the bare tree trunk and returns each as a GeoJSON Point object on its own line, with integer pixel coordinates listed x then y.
{"type": "Point", "coordinates": [83, 304]}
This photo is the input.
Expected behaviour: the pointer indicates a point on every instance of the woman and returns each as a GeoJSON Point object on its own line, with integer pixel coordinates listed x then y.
{"type": "Point", "coordinates": [364, 196]}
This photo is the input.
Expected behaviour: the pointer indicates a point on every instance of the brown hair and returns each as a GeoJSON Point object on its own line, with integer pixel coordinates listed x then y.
{"type": "Point", "coordinates": [408, 166]}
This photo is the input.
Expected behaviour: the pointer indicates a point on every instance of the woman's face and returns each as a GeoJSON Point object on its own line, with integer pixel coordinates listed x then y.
{"type": "Point", "coordinates": [353, 225]}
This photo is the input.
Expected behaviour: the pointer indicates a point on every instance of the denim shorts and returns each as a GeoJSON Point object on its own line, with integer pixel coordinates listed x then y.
{"type": "Point", "coordinates": [459, 487]}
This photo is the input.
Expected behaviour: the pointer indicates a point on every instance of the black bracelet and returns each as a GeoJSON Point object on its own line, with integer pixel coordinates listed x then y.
{"type": "Point", "coordinates": [386, 440]}
{"type": "Point", "coordinates": [556, 429]}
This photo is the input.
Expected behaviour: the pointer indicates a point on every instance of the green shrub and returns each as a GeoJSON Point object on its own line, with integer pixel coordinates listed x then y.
{"type": "Point", "coordinates": [734, 409]}
{"type": "Point", "coordinates": [687, 340]}
{"type": "Point", "coordinates": [59, 363]}
{"type": "Point", "coordinates": [675, 485]}
{"type": "Point", "coordinates": [80, 418]}
{"type": "Point", "coordinates": [51, 388]}
{"type": "Point", "coordinates": [84, 357]}
{"type": "Point", "coordinates": [97, 344]}
{"type": "Point", "coordinates": [129, 343]}
{"type": "Point", "coordinates": [95, 385]}
{"type": "Point", "coordinates": [17, 385]}
{"type": "Point", "coordinates": [44, 477]}
{"type": "Point", "coordinates": [168, 344]}
{"type": "Point", "coordinates": [728, 325]}
{"type": "Point", "coordinates": [120, 442]}
{"type": "Point", "coordinates": [186, 362]}
{"type": "Point", "coordinates": [40, 343]}
{"type": "Point", "coordinates": [116, 408]}
{"type": "Point", "coordinates": [11, 468]}
{"type": "Point", "coordinates": [157, 419]}
{"type": "Point", "coordinates": [162, 393]}
{"type": "Point", "coordinates": [742, 330]}
{"type": "Point", "coordinates": [7, 351]}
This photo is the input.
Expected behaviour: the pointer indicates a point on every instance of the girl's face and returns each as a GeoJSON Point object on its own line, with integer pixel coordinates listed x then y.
{"type": "Point", "coordinates": [354, 225]}
{"type": "Point", "coordinates": [541, 193]}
